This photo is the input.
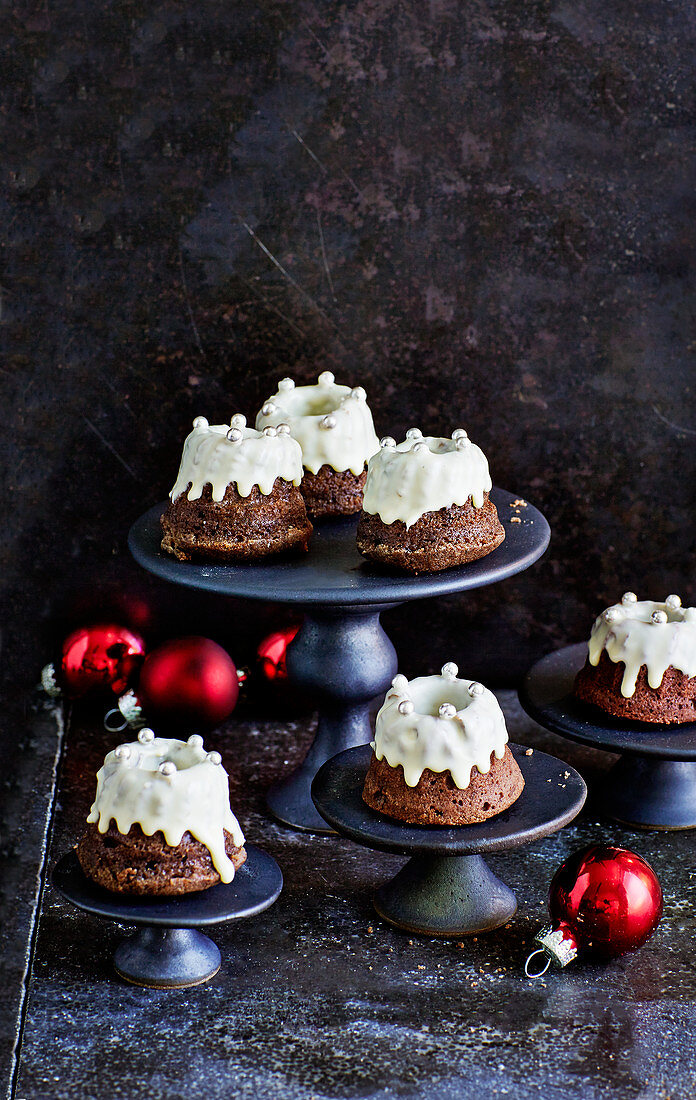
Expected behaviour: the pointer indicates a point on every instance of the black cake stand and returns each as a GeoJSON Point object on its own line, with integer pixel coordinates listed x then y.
{"type": "Point", "coordinates": [653, 784]}
{"type": "Point", "coordinates": [167, 951]}
{"type": "Point", "coordinates": [446, 888]}
{"type": "Point", "coordinates": [341, 654]}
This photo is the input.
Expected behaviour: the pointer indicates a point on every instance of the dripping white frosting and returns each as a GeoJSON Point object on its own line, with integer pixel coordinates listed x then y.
{"type": "Point", "coordinates": [642, 632]}
{"type": "Point", "coordinates": [249, 458]}
{"type": "Point", "coordinates": [412, 729]}
{"type": "Point", "coordinates": [332, 423]}
{"type": "Point", "coordinates": [424, 474]}
{"type": "Point", "coordinates": [191, 794]}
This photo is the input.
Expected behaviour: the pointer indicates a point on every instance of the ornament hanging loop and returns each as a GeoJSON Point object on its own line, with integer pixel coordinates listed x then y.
{"type": "Point", "coordinates": [112, 726]}
{"type": "Point", "coordinates": [537, 973]}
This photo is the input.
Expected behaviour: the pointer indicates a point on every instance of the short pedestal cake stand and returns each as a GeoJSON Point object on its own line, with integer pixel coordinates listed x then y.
{"type": "Point", "coordinates": [341, 654]}
{"type": "Point", "coordinates": [167, 951]}
{"type": "Point", "coordinates": [446, 888]}
{"type": "Point", "coordinates": [653, 784]}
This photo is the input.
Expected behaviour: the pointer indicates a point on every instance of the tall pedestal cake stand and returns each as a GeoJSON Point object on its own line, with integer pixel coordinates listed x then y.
{"type": "Point", "coordinates": [341, 654]}
{"type": "Point", "coordinates": [653, 784]}
{"type": "Point", "coordinates": [446, 888]}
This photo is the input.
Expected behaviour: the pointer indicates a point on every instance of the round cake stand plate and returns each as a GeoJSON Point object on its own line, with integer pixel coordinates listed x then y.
{"type": "Point", "coordinates": [167, 951]}
{"type": "Point", "coordinates": [653, 784]}
{"type": "Point", "coordinates": [446, 888]}
{"type": "Point", "coordinates": [341, 656]}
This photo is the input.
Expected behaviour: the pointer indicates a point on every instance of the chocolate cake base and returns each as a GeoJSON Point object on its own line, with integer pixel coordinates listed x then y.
{"type": "Point", "coordinates": [332, 492]}
{"type": "Point", "coordinates": [672, 703]}
{"type": "Point", "coordinates": [140, 864]}
{"type": "Point", "coordinates": [436, 800]}
{"type": "Point", "coordinates": [436, 541]}
{"type": "Point", "coordinates": [236, 528]}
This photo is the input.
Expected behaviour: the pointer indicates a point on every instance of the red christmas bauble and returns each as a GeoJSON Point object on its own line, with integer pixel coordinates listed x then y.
{"type": "Point", "coordinates": [189, 680]}
{"type": "Point", "coordinates": [272, 651]}
{"type": "Point", "coordinates": [95, 658]}
{"type": "Point", "coordinates": [603, 900]}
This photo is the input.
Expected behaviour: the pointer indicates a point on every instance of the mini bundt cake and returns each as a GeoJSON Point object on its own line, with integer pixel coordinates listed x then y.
{"type": "Point", "coordinates": [641, 661]}
{"type": "Point", "coordinates": [440, 754]}
{"type": "Point", "coordinates": [426, 504]}
{"type": "Point", "coordinates": [333, 425]}
{"type": "Point", "coordinates": [161, 821]}
{"type": "Point", "coordinates": [236, 496]}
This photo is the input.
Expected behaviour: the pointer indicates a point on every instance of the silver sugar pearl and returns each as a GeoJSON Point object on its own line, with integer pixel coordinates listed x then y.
{"type": "Point", "coordinates": [659, 617]}
{"type": "Point", "coordinates": [122, 752]}
{"type": "Point", "coordinates": [195, 741]}
{"type": "Point", "coordinates": [450, 670]}
{"type": "Point", "coordinates": [459, 433]}
{"type": "Point", "coordinates": [270, 431]}
{"type": "Point", "coordinates": [358, 393]}
{"type": "Point", "coordinates": [400, 683]}
{"type": "Point", "coordinates": [406, 707]}
{"type": "Point", "coordinates": [612, 615]}
{"type": "Point", "coordinates": [447, 710]}
{"type": "Point", "coordinates": [238, 421]}
{"type": "Point", "coordinates": [328, 422]}
{"type": "Point", "coordinates": [420, 445]}
{"type": "Point", "coordinates": [414, 433]}
{"type": "Point", "coordinates": [268, 409]}
{"type": "Point", "coordinates": [283, 429]}
{"type": "Point", "coordinates": [326, 378]}
{"type": "Point", "coordinates": [167, 767]}
{"type": "Point", "coordinates": [462, 443]}
{"type": "Point", "coordinates": [387, 441]}
{"type": "Point", "coordinates": [674, 602]}
{"type": "Point", "coordinates": [214, 758]}
{"type": "Point", "coordinates": [629, 597]}
{"type": "Point", "coordinates": [475, 689]}
{"type": "Point", "coordinates": [286, 384]}
{"type": "Point", "coordinates": [235, 435]}
{"type": "Point", "coordinates": [146, 736]}
{"type": "Point", "coordinates": [200, 422]}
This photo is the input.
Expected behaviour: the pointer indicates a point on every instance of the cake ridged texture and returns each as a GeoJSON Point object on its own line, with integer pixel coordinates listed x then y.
{"type": "Point", "coordinates": [332, 493]}
{"type": "Point", "coordinates": [673, 702]}
{"type": "Point", "coordinates": [146, 865]}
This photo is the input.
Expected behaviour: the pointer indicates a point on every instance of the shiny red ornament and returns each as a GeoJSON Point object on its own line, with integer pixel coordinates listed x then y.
{"type": "Point", "coordinates": [189, 680]}
{"type": "Point", "coordinates": [95, 658]}
{"type": "Point", "coordinates": [603, 901]}
{"type": "Point", "coordinates": [272, 651]}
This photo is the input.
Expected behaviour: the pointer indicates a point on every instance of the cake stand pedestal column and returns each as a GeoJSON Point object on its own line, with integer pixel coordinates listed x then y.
{"type": "Point", "coordinates": [341, 655]}
{"type": "Point", "coordinates": [343, 658]}
{"type": "Point", "coordinates": [653, 783]}
{"type": "Point", "coordinates": [446, 888]}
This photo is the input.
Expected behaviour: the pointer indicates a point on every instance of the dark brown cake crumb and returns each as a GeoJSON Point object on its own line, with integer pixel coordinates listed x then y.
{"type": "Point", "coordinates": [672, 703]}
{"type": "Point", "coordinates": [436, 799]}
{"type": "Point", "coordinates": [436, 541]}
{"type": "Point", "coordinates": [332, 492]}
{"type": "Point", "coordinates": [138, 864]}
{"type": "Point", "coordinates": [236, 528]}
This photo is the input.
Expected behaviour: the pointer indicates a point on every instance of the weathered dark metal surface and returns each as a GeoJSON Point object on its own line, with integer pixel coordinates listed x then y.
{"type": "Point", "coordinates": [318, 997]}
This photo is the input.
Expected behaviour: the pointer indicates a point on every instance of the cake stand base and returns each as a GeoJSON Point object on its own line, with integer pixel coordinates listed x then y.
{"type": "Point", "coordinates": [167, 958]}
{"type": "Point", "coordinates": [651, 794]}
{"type": "Point", "coordinates": [167, 951]}
{"type": "Point", "coordinates": [446, 896]}
{"type": "Point", "coordinates": [446, 888]}
{"type": "Point", "coordinates": [653, 784]}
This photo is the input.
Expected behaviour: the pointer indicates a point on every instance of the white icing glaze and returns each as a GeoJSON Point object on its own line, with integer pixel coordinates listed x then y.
{"type": "Point", "coordinates": [428, 735]}
{"type": "Point", "coordinates": [220, 455]}
{"type": "Point", "coordinates": [332, 423]}
{"type": "Point", "coordinates": [642, 632]}
{"type": "Point", "coordinates": [424, 474]}
{"type": "Point", "coordinates": [171, 785]}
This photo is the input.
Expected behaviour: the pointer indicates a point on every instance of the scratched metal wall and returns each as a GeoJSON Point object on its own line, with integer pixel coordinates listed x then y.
{"type": "Point", "coordinates": [482, 212]}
